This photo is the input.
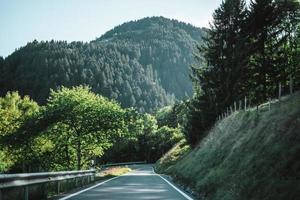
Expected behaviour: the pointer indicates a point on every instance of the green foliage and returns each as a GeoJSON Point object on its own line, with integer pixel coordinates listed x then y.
{"type": "Point", "coordinates": [91, 121]}
{"type": "Point", "coordinates": [172, 116]}
{"type": "Point", "coordinates": [274, 45]}
{"type": "Point", "coordinates": [164, 117]}
{"type": "Point", "coordinates": [166, 138]}
{"type": "Point", "coordinates": [145, 142]}
{"type": "Point", "coordinates": [14, 111]}
{"type": "Point", "coordinates": [74, 127]}
{"type": "Point", "coordinates": [143, 64]}
{"type": "Point", "coordinates": [169, 159]}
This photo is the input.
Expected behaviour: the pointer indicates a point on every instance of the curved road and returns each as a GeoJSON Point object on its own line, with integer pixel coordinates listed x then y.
{"type": "Point", "coordinates": [142, 183]}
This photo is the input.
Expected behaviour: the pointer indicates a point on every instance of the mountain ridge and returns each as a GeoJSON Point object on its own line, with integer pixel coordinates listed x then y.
{"type": "Point", "coordinates": [147, 69]}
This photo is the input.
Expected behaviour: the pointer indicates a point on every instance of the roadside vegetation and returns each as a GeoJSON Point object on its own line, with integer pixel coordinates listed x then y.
{"type": "Point", "coordinates": [75, 127]}
{"type": "Point", "coordinates": [167, 162]}
{"type": "Point", "coordinates": [112, 172]}
{"type": "Point", "coordinates": [248, 155]}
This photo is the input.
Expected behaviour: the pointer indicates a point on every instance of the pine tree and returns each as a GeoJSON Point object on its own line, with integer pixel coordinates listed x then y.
{"type": "Point", "coordinates": [270, 31]}
{"type": "Point", "coordinates": [221, 80]}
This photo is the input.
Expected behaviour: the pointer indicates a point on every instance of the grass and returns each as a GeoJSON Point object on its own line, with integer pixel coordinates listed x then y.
{"type": "Point", "coordinates": [112, 172]}
{"type": "Point", "coordinates": [167, 162]}
{"type": "Point", "coordinates": [248, 155]}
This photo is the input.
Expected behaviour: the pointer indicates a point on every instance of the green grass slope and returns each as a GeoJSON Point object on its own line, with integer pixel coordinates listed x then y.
{"type": "Point", "coordinates": [167, 162]}
{"type": "Point", "coordinates": [248, 155]}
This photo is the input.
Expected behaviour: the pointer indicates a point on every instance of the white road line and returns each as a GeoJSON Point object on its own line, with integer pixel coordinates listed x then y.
{"type": "Point", "coordinates": [81, 191]}
{"type": "Point", "coordinates": [177, 189]}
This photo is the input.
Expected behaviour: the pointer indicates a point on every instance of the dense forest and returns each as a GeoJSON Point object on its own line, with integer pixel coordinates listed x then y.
{"type": "Point", "coordinates": [249, 51]}
{"type": "Point", "coordinates": [143, 64]}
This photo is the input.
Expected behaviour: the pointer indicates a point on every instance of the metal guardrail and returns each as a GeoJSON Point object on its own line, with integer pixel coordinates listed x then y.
{"type": "Point", "coordinates": [27, 179]}
{"type": "Point", "coordinates": [123, 163]}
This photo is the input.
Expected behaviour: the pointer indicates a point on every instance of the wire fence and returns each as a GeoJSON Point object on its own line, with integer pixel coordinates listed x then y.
{"type": "Point", "coordinates": [245, 104]}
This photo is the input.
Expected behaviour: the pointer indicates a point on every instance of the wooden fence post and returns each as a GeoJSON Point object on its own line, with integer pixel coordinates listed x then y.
{"type": "Point", "coordinates": [234, 106]}
{"type": "Point", "coordinates": [291, 85]}
{"type": "Point", "coordinates": [279, 90]}
{"type": "Point", "coordinates": [245, 103]}
{"type": "Point", "coordinates": [249, 103]}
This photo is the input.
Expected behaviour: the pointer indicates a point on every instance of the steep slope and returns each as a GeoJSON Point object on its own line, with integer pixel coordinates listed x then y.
{"type": "Point", "coordinates": [248, 155]}
{"type": "Point", "coordinates": [142, 63]}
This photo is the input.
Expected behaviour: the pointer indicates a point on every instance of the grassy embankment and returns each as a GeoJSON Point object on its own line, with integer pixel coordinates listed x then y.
{"type": "Point", "coordinates": [248, 155]}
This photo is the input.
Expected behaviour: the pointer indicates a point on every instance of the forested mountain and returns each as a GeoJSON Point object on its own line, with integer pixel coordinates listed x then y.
{"type": "Point", "coordinates": [142, 63]}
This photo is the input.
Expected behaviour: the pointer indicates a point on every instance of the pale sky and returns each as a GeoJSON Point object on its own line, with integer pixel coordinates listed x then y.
{"type": "Point", "coordinates": [22, 21]}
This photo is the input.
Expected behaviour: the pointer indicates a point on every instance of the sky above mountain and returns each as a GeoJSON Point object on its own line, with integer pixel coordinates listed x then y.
{"type": "Point", "coordinates": [77, 20]}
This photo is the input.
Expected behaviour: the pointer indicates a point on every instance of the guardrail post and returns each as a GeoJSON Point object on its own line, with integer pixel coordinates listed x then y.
{"type": "Point", "coordinates": [76, 182]}
{"type": "Point", "coordinates": [58, 187]}
{"type": "Point", "coordinates": [26, 193]}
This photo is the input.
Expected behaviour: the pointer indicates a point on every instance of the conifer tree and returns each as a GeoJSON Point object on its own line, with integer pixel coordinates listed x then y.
{"type": "Point", "coordinates": [221, 80]}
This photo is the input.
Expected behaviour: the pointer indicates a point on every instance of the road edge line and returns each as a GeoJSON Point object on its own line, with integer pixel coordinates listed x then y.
{"type": "Point", "coordinates": [176, 188]}
{"type": "Point", "coordinates": [86, 189]}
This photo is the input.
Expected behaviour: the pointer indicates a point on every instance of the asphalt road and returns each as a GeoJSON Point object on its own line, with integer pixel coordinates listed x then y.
{"type": "Point", "coordinates": [141, 183]}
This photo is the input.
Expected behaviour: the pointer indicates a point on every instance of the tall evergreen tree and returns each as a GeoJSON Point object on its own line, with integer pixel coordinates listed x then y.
{"type": "Point", "coordinates": [270, 32]}
{"type": "Point", "coordinates": [221, 80]}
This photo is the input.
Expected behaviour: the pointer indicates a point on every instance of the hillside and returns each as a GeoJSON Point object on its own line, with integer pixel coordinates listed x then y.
{"type": "Point", "coordinates": [142, 63]}
{"type": "Point", "coordinates": [248, 155]}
